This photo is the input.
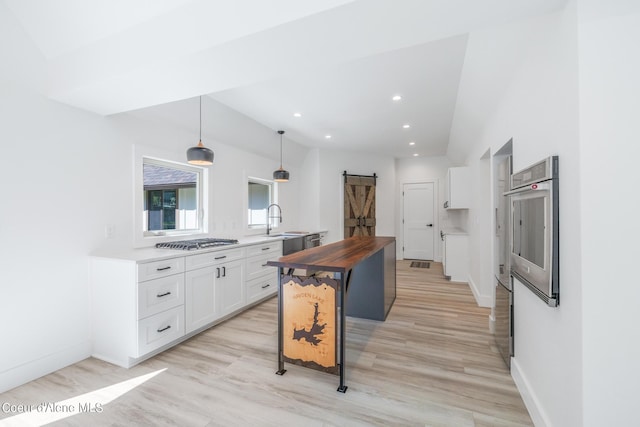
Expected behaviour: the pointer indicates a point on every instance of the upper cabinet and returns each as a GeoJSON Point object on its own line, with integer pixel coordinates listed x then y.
{"type": "Point", "coordinates": [458, 188]}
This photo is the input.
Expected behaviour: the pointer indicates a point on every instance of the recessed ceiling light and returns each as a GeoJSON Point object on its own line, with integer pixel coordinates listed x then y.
{"type": "Point", "coordinates": [396, 98]}
{"type": "Point", "coordinates": [406, 126]}
{"type": "Point", "coordinates": [412, 143]}
{"type": "Point", "coordinates": [415, 154]}
{"type": "Point", "coordinates": [327, 136]}
{"type": "Point", "coordinates": [297, 115]}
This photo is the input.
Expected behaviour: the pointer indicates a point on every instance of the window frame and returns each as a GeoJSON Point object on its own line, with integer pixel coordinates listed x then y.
{"type": "Point", "coordinates": [148, 155]}
{"type": "Point", "coordinates": [257, 228]}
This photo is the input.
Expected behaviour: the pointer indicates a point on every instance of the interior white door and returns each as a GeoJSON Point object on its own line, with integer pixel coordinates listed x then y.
{"type": "Point", "coordinates": [418, 224]}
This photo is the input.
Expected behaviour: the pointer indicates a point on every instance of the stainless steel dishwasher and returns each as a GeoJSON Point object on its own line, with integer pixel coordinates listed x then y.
{"type": "Point", "coordinates": [311, 240]}
{"type": "Point", "coordinates": [292, 244]}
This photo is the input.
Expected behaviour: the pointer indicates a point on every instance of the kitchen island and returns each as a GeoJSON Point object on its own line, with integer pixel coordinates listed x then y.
{"type": "Point", "coordinates": [354, 277]}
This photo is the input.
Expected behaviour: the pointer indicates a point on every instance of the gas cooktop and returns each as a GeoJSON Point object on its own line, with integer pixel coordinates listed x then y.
{"type": "Point", "coordinates": [188, 245]}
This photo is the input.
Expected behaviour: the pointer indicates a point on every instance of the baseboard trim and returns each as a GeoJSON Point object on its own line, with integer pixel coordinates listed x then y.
{"type": "Point", "coordinates": [34, 369]}
{"type": "Point", "coordinates": [528, 396]}
{"type": "Point", "coordinates": [481, 300]}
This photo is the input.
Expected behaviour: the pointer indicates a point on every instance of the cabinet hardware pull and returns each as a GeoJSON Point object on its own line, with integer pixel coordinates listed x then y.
{"type": "Point", "coordinates": [163, 268]}
{"type": "Point", "coordinates": [163, 295]}
{"type": "Point", "coordinates": [224, 271]}
{"type": "Point", "coordinates": [220, 257]}
{"type": "Point", "coordinates": [217, 272]}
{"type": "Point", "coordinates": [264, 265]}
{"type": "Point", "coordinates": [266, 286]}
{"type": "Point", "coordinates": [265, 249]}
{"type": "Point", "coordinates": [164, 329]}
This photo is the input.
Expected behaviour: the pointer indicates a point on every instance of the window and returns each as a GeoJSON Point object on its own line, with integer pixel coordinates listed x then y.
{"type": "Point", "coordinates": [261, 195]}
{"type": "Point", "coordinates": [170, 198]}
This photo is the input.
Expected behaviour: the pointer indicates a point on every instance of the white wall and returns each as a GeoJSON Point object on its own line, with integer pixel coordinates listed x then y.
{"type": "Point", "coordinates": [53, 199]}
{"type": "Point", "coordinates": [308, 201]}
{"type": "Point", "coordinates": [481, 277]}
{"type": "Point", "coordinates": [332, 164]}
{"type": "Point", "coordinates": [423, 169]}
{"type": "Point", "coordinates": [67, 174]}
{"type": "Point", "coordinates": [609, 33]}
{"type": "Point", "coordinates": [520, 81]}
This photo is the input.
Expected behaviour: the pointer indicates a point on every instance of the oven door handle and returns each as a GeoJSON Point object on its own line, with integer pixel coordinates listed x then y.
{"type": "Point", "coordinates": [541, 186]}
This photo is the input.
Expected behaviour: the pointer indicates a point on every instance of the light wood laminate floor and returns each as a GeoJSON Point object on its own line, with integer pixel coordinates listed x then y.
{"type": "Point", "coordinates": [433, 362]}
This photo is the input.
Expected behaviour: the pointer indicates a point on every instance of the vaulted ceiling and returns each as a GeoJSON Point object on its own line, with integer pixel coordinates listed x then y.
{"type": "Point", "coordinates": [337, 62]}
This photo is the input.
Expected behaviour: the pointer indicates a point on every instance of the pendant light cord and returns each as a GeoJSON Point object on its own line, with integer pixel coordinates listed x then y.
{"type": "Point", "coordinates": [200, 118]}
{"type": "Point", "coordinates": [281, 150]}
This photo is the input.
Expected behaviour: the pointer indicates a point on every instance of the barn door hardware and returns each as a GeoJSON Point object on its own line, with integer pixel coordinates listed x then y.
{"type": "Point", "coordinates": [374, 176]}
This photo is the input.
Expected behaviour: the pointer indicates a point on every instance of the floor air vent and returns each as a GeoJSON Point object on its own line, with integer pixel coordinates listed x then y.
{"type": "Point", "coordinates": [420, 264]}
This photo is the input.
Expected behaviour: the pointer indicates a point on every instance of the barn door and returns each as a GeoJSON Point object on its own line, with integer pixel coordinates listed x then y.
{"type": "Point", "coordinates": [359, 205]}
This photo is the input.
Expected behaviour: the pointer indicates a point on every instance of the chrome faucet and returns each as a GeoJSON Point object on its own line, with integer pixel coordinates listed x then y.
{"type": "Point", "coordinates": [270, 217]}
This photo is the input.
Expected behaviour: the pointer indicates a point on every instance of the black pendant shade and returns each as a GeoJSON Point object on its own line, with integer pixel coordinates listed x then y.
{"type": "Point", "coordinates": [200, 155]}
{"type": "Point", "coordinates": [281, 175]}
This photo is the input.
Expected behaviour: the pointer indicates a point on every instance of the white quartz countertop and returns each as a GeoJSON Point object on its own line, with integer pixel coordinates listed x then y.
{"type": "Point", "coordinates": [155, 254]}
{"type": "Point", "coordinates": [152, 253]}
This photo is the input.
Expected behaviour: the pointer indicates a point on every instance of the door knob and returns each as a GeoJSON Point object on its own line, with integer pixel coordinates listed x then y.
{"type": "Point", "coordinates": [429, 225]}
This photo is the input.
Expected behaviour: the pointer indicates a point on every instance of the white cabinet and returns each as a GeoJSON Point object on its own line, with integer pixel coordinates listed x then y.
{"type": "Point", "coordinates": [141, 306]}
{"type": "Point", "coordinates": [213, 284]}
{"type": "Point", "coordinates": [262, 287]}
{"type": "Point", "coordinates": [137, 308]}
{"type": "Point", "coordinates": [158, 295]}
{"type": "Point", "coordinates": [160, 304]}
{"type": "Point", "coordinates": [202, 304]}
{"type": "Point", "coordinates": [323, 237]}
{"type": "Point", "coordinates": [458, 188]}
{"type": "Point", "coordinates": [455, 257]}
{"type": "Point", "coordinates": [230, 286]}
{"type": "Point", "coordinates": [159, 330]}
{"type": "Point", "coordinates": [262, 280]}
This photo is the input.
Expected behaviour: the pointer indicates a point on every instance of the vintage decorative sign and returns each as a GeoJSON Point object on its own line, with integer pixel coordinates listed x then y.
{"type": "Point", "coordinates": [309, 322]}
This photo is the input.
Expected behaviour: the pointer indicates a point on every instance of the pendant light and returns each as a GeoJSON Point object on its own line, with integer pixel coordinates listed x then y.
{"type": "Point", "coordinates": [281, 175]}
{"type": "Point", "coordinates": [200, 155]}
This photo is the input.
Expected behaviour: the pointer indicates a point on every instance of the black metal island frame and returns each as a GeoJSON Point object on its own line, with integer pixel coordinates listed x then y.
{"type": "Point", "coordinates": [354, 277]}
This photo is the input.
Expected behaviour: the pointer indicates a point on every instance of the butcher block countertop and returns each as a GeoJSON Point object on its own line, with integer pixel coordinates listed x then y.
{"type": "Point", "coordinates": [340, 256]}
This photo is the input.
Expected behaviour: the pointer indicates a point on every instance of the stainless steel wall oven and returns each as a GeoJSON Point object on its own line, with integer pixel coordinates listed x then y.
{"type": "Point", "coordinates": [535, 226]}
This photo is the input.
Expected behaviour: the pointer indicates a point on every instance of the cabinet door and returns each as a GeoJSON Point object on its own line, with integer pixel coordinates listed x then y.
{"type": "Point", "coordinates": [200, 298]}
{"type": "Point", "coordinates": [458, 191]}
{"type": "Point", "coordinates": [230, 287]}
{"type": "Point", "coordinates": [456, 256]}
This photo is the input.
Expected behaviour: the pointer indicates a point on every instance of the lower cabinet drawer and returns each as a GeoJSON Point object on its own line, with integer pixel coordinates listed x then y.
{"type": "Point", "coordinates": [261, 287]}
{"type": "Point", "coordinates": [273, 248]}
{"type": "Point", "coordinates": [257, 266]}
{"type": "Point", "coordinates": [160, 329]}
{"type": "Point", "coordinates": [156, 269]}
{"type": "Point", "coordinates": [159, 295]}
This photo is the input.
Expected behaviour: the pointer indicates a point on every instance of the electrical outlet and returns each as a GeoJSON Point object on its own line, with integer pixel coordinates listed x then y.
{"type": "Point", "coordinates": [110, 231]}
